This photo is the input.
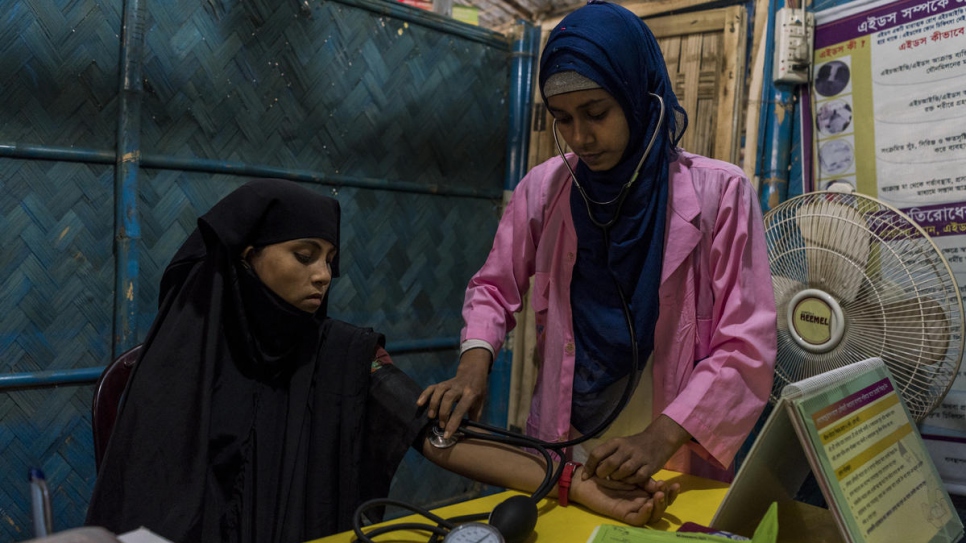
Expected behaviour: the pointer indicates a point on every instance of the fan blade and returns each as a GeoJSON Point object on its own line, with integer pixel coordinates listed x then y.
{"type": "Point", "coordinates": [836, 247]}
{"type": "Point", "coordinates": [784, 288]}
{"type": "Point", "coordinates": [917, 330]}
{"type": "Point", "coordinates": [881, 275]}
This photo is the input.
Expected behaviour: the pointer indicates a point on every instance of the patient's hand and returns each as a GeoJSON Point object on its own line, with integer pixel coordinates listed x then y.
{"type": "Point", "coordinates": [632, 504]}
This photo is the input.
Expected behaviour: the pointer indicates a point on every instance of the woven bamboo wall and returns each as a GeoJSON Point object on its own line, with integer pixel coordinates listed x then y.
{"type": "Point", "coordinates": [315, 89]}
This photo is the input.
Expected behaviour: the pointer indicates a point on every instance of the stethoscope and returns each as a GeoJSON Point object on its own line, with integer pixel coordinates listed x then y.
{"type": "Point", "coordinates": [514, 519]}
{"type": "Point", "coordinates": [619, 199]}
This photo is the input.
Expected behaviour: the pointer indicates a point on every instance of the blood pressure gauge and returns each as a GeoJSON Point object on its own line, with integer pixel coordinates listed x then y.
{"type": "Point", "coordinates": [474, 532]}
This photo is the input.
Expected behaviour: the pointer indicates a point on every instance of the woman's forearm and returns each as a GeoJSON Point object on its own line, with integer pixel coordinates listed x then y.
{"type": "Point", "coordinates": [510, 467]}
{"type": "Point", "coordinates": [491, 463]}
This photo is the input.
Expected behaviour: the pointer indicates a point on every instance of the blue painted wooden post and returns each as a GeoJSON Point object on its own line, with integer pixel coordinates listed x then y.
{"type": "Point", "coordinates": [796, 167]}
{"type": "Point", "coordinates": [776, 125]}
{"type": "Point", "coordinates": [127, 227]}
{"type": "Point", "coordinates": [776, 155]}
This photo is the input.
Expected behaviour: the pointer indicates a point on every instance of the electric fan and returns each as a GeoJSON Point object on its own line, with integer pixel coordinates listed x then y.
{"type": "Point", "coordinates": [855, 278]}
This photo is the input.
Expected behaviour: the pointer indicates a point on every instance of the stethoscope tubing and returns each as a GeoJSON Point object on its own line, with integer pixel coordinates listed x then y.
{"type": "Point", "coordinates": [557, 447]}
{"type": "Point", "coordinates": [619, 199]}
{"type": "Point", "coordinates": [502, 435]}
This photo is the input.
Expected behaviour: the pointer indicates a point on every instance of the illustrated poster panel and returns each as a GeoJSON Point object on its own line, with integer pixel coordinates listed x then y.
{"type": "Point", "coordinates": [889, 112]}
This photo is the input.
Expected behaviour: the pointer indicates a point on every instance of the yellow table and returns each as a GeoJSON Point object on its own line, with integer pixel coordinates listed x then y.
{"type": "Point", "coordinates": [698, 501]}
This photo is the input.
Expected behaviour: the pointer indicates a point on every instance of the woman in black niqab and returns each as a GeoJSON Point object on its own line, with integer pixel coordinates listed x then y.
{"type": "Point", "coordinates": [247, 419]}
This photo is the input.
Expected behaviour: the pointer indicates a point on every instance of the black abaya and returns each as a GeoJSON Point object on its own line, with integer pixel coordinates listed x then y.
{"type": "Point", "coordinates": [246, 420]}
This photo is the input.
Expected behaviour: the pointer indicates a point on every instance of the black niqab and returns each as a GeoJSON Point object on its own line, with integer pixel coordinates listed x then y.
{"type": "Point", "coordinates": [246, 419]}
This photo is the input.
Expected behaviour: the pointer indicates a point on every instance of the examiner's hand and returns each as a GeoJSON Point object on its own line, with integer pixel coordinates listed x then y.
{"type": "Point", "coordinates": [635, 505]}
{"type": "Point", "coordinates": [464, 394]}
{"type": "Point", "coordinates": [634, 459]}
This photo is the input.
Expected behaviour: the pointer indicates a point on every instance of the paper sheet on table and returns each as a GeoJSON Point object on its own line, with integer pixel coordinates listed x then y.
{"type": "Point", "coordinates": [767, 532]}
{"type": "Point", "coordinates": [142, 535]}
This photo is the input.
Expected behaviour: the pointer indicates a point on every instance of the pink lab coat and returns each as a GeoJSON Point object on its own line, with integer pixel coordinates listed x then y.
{"type": "Point", "coordinates": [715, 338]}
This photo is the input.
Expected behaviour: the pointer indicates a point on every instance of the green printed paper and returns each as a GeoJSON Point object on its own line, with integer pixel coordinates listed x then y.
{"type": "Point", "coordinates": [767, 532]}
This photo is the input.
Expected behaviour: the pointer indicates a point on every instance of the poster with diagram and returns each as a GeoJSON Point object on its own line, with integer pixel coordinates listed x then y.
{"type": "Point", "coordinates": [888, 105]}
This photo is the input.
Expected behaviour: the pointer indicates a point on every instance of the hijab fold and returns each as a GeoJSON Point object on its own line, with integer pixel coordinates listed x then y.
{"type": "Point", "coordinates": [611, 46]}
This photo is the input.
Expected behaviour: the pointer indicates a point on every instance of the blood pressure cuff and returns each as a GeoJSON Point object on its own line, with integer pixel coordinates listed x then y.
{"type": "Point", "coordinates": [393, 422]}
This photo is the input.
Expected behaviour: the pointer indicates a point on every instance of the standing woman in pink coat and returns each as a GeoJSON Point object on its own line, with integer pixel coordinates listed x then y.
{"type": "Point", "coordinates": [650, 273]}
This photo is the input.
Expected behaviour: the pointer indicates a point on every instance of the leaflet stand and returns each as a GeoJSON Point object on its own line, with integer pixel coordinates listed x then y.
{"type": "Point", "coordinates": [850, 428]}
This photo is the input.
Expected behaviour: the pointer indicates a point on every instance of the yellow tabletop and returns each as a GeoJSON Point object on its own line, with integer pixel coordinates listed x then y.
{"type": "Point", "coordinates": [697, 502]}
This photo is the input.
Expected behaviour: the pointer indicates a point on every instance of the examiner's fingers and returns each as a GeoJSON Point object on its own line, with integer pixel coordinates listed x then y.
{"type": "Point", "coordinates": [652, 485]}
{"type": "Point", "coordinates": [440, 404]}
{"type": "Point", "coordinates": [456, 417]}
{"type": "Point", "coordinates": [614, 484]}
{"type": "Point", "coordinates": [594, 459]}
{"type": "Point", "coordinates": [427, 396]}
{"type": "Point", "coordinates": [444, 401]}
{"type": "Point", "coordinates": [640, 477]}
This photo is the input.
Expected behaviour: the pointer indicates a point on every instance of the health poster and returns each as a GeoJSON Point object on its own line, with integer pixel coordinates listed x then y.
{"type": "Point", "coordinates": [888, 104]}
{"type": "Point", "coordinates": [875, 464]}
{"type": "Point", "coordinates": [889, 101]}
{"type": "Point", "coordinates": [944, 430]}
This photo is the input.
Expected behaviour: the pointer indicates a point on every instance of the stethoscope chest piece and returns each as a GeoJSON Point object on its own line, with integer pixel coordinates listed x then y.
{"type": "Point", "coordinates": [437, 440]}
{"type": "Point", "coordinates": [474, 532]}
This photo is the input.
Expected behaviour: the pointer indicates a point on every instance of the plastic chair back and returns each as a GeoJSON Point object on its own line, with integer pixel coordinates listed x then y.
{"type": "Point", "coordinates": [107, 398]}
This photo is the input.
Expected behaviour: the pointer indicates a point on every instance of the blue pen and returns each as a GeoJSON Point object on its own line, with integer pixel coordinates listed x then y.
{"type": "Point", "coordinates": [40, 503]}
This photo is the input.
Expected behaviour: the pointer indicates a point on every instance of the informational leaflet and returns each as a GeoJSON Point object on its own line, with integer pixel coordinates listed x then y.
{"type": "Point", "coordinates": [767, 532]}
{"type": "Point", "coordinates": [889, 111]}
{"type": "Point", "coordinates": [871, 447]}
{"type": "Point", "coordinates": [850, 428]}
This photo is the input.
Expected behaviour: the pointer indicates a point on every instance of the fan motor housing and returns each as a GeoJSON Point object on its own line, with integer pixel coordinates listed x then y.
{"type": "Point", "coordinates": [816, 320]}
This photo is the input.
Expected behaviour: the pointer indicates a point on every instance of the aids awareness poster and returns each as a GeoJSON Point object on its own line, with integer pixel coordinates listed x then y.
{"type": "Point", "coordinates": [888, 103]}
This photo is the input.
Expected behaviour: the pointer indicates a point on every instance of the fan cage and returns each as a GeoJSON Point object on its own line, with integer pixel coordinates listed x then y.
{"type": "Point", "coordinates": [898, 297]}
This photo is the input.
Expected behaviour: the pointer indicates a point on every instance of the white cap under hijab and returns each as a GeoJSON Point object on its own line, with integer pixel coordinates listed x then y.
{"type": "Point", "coordinates": [564, 82]}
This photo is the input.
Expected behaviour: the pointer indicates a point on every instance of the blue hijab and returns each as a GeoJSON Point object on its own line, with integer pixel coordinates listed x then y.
{"type": "Point", "coordinates": [611, 46]}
